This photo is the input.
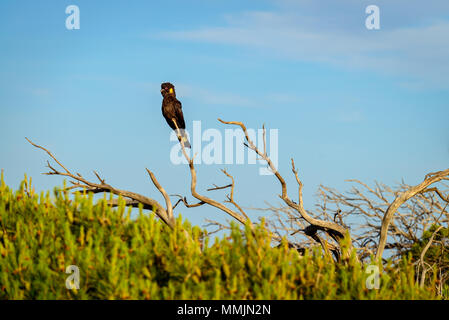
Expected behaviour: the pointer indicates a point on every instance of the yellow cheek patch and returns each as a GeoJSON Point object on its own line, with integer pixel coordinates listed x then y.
{"type": "Point", "coordinates": [171, 90]}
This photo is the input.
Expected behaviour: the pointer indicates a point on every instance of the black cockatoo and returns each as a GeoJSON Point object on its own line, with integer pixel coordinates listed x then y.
{"type": "Point", "coordinates": [172, 109]}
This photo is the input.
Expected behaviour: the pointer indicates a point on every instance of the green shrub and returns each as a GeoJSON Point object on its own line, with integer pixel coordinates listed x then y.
{"type": "Point", "coordinates": [123, 258]}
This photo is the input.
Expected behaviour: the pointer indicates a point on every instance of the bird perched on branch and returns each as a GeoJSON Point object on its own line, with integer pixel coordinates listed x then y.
{"type": "Point", "coordinates": [172, 111]}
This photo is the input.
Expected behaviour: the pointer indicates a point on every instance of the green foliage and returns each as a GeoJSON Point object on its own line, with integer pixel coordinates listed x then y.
{"type": "Point", "coordinates": [438, 252]}
{"type": "Point", "coordinates": [120, 258]}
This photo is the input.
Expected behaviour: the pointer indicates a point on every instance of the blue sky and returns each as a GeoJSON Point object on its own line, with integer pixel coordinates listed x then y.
{"type": "Point", "coordinates": [349, 103]}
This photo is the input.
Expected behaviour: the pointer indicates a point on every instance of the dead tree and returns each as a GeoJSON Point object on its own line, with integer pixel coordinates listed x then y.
{"type": "Point", "coordinates": [367, 206]}
{"type": "Point", "coordinates": [334, 230]}
{"type": "Point", "coordinates": [312, 226]}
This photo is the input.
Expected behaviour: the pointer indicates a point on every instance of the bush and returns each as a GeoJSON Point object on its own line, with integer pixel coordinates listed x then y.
{"type": "Point", "coordinates": [123, 258]}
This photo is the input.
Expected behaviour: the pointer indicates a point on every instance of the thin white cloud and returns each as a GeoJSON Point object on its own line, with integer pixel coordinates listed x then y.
{"type": "Point", "coordinates": [420, 52]}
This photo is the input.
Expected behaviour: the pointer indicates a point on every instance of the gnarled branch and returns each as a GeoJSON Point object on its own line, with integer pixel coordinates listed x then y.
{"type": "Point", "coordinates": [206, 200]}
{"type": "Point", "coordinates": [429, 179]}
{"type": "Point", "coordinates": [134, 199]}
{"type": "Point", "coordinates": [336, 231]}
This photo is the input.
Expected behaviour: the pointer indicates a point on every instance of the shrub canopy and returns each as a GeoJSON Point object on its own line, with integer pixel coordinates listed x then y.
{"type": "Point", "coordinates": [123, 258]}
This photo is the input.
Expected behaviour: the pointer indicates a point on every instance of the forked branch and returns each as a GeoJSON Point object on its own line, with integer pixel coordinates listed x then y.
{"type": "Point", "coordinates": [334, 230]}
{"type": "Point", "coordinates": [133, 199]}
{"type": "Point", "coordinates": [203, 199]}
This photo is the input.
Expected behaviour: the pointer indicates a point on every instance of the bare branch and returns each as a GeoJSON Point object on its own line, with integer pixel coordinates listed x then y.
{"type": "Point", "coordinates": [128, 203]}
{"type": "Point", "coordinates": [198, 196]}
{"type": "Point", "coordinates": [442, 197]}
{"type": "Point", "coordinates": [81, 182]}
{"type": "Point", "coordinates": [402, 198]}
{"type": "Point", "coordinates": [333, 229]}
{"type": "Point", "coordinates": [421, 261]}
{"type": "Point", "coordinates": [165, 195]}
{"type": "Point", "coordinates": [424, 251]}
{"type": "Point", "coordinates": [231, 195]}
{"type": "Point", "coordinates": [49, 153]}
{"type": "Point", "coordinates": [98, 177]}
{"type": "Point", "coordinates": [184, 200]}
{"type": "Point", "coordinates": [219, 188]}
